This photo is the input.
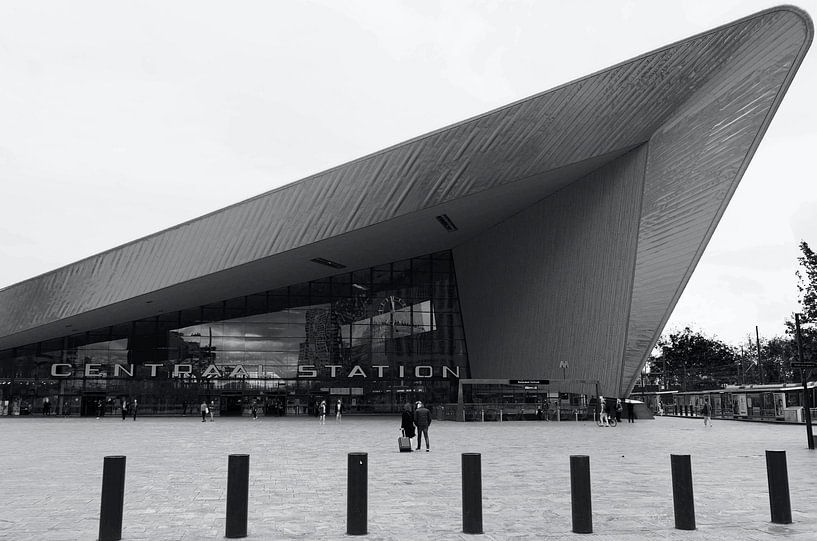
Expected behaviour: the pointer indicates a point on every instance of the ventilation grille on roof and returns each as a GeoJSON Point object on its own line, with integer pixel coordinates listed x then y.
{"type": "Point", "coordinates": [446, 222]}
{"type": "Point", "coordinates": [333, 264]}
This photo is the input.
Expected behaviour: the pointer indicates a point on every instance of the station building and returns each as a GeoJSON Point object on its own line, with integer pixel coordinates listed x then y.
{"type": "Point", "coordinates": [547, 240]}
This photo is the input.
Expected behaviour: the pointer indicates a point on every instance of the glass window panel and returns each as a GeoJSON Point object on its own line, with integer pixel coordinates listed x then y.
{"type": "Point", "coordinates": [144, 327]}
{"type": "Point", "coordinates": [320, 289]}
{"type": "Point", "coordinates": [362, 278]}
{"type": "Point", "coordinates": [257, 304]}
{"type": "Point", "coordinates": [100, 335]}
{"type": "Point", "coordinates": [342, 286]}
{"type": "Point", "coordinates": [52, 345]}
{"type": "Point", "coordinates": [299, 290]}
{"type": "Point", "coordinates": [236, 307]}
{"type": "Point", "coordinates": [232, 328]}
{"type": "Point", "coordinates": [212, 312]}
{"type": "Point", "coordinates": [381, 278]}
{"type": "Point", "coordinates": [299, 301]}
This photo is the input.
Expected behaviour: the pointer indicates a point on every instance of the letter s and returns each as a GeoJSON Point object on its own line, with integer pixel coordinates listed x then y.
{"type": "Point", "coordinates": [307, 371]}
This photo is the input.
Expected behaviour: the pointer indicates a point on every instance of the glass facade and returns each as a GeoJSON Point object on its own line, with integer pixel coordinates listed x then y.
{"type": "Point", "coordinates": [374, 339]}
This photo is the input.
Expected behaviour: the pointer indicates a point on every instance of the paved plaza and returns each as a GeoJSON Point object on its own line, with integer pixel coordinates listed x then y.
{"type": "Point", "coordinates": [177, 475]}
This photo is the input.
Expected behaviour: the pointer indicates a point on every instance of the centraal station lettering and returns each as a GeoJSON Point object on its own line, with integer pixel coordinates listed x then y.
{"type": "Point", "coordinates": [90, 370]}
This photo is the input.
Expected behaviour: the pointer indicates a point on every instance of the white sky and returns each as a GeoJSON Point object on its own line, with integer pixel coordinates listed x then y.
{"type": "Point", "coordinates": [119, 119]}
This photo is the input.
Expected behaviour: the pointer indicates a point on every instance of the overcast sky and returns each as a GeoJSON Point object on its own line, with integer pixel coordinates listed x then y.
{"type": "Point", "coordinates": [119, 119]}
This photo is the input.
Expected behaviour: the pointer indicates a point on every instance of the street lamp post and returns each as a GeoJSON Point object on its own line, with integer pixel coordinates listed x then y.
{"type": "Point", "coordinates": [804, 370]}
{"type": "Point", "coordinates": [759, 365]}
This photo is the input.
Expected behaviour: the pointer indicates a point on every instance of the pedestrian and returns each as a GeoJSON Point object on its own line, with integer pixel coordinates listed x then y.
{"type": "Point", "coordinates": [407, 423]}
{"type": "Point", "coordinates": [338, 411]}
{"type": "Point", "coordinates": [619, 408]}
{"type": "Point", "coordinates": [204, 411]}
{"type": "Point", "coordinates": [124, 408]}
{"type": "Point", "coordinates": [254, 410]}
{"type": "Point", "coordinates": [706, 411]}
{"type": "Point", "coordinates": [46, 406]}
{"type": "Point", "coordinates": [422, 419]}
{"type": "Point", "coordinates": [603, 412]}
{"type": "Point", "coordinates": [184, 408]}
{"type": "Point", "coordinates": [322, 412]}
{"type": "Point", "coordinates": [211, 411]}
{"type": "Point", "coordinates": [98, 409]}
{"type": "Point", "coordinates": [630, 412]}
{"type": "Point", "coordinates": [133, 408]}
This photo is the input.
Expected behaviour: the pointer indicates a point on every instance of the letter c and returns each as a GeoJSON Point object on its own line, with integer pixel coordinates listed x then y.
{"type": "Point", "coordinates": [61, 374]}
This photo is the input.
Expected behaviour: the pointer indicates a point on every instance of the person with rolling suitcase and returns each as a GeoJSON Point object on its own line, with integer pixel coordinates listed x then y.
{"type": "Point", "coordinates": [406, 430]}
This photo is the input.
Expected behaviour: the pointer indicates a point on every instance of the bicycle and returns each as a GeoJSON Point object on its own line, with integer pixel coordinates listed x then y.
{"type": "Point", "coordinates": [611, 420]}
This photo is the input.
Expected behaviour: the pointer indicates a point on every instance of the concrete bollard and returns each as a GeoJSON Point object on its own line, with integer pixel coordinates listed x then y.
{"type": "Point", "coordinates": [471, 493]}
{"type": "Point", "coordinates": [357, 494]}
{"type": "Point", "coordinates": [238, 482]}
{"type": "Point", "coordinates": [113, 498]}
{"type": "Point", "coordinates": [580, 494]}
{"type": "Point", "coordinates": [777, 473]}
{"type": "Point", "coordinates": [682, 498]}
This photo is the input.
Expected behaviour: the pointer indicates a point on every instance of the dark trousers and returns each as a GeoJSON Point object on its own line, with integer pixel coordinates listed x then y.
{"type": "Point", "coordinates": [422, 431]}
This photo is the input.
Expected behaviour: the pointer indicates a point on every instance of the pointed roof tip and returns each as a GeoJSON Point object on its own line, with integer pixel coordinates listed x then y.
{"type": "Point", "coordinates": [798, 12]}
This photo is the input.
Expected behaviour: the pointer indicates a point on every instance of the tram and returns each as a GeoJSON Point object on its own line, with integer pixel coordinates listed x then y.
{"type": "Point", "coordinates": [771, 402]}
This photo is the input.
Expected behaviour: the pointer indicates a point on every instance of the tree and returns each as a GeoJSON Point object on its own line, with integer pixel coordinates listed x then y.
{"type": "Point", "coordinates": [807, 283]}
{"type": "Point", "coordinates": [690, 361]}
{"type": "Point", "coordinates": [807, 289]}
{"type": "Point", "coordinates": [778, 353]}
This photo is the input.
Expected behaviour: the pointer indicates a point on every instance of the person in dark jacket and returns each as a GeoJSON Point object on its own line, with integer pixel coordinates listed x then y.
{"type": "Point", "coordinates": [422, 418]}
{"type": "Point", "coordinates": [407, 423]}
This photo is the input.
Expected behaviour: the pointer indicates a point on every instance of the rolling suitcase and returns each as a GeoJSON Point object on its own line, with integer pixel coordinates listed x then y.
{"type": "Point", "coordinates": [404, 443]}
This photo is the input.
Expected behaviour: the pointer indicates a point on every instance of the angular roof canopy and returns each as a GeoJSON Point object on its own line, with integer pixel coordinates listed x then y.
{"type": "Point", "coordinates": [701, 105]}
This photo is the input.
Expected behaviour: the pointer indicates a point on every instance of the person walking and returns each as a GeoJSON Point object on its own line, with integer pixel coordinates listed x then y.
{"type": "Point", "coordinates": [422, 419]}
{"type": "Point", "coordinates": [706, 411]}
{"type": "Point", "coordinates": [254, 410]}
{"type": "Point", "coordinates": [204, 411]}
{"type": "Point", "coordinates": [338, 411]}
{"type": "Point", "coordinates": [619, 409]}
{"type": "Point", "coordinates": [630, 412]}
{"type": "Point", "coordinates": [124, 408]}
{"type": "Point", "coordinates": [603, 412]}
{"type": "Point", "coordinates": [322, 412]}
{"type": "Point", "coordinates": [211, 411]}
{"type": "Point", "coordinates": [134, 405]}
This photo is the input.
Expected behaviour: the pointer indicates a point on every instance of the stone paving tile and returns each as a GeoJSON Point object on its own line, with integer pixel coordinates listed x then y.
{"type": "Point", "coordinates": [175, 489]}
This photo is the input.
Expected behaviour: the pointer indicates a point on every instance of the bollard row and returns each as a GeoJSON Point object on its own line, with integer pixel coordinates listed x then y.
{"type": "Point", "coordinates": [238, 473]}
